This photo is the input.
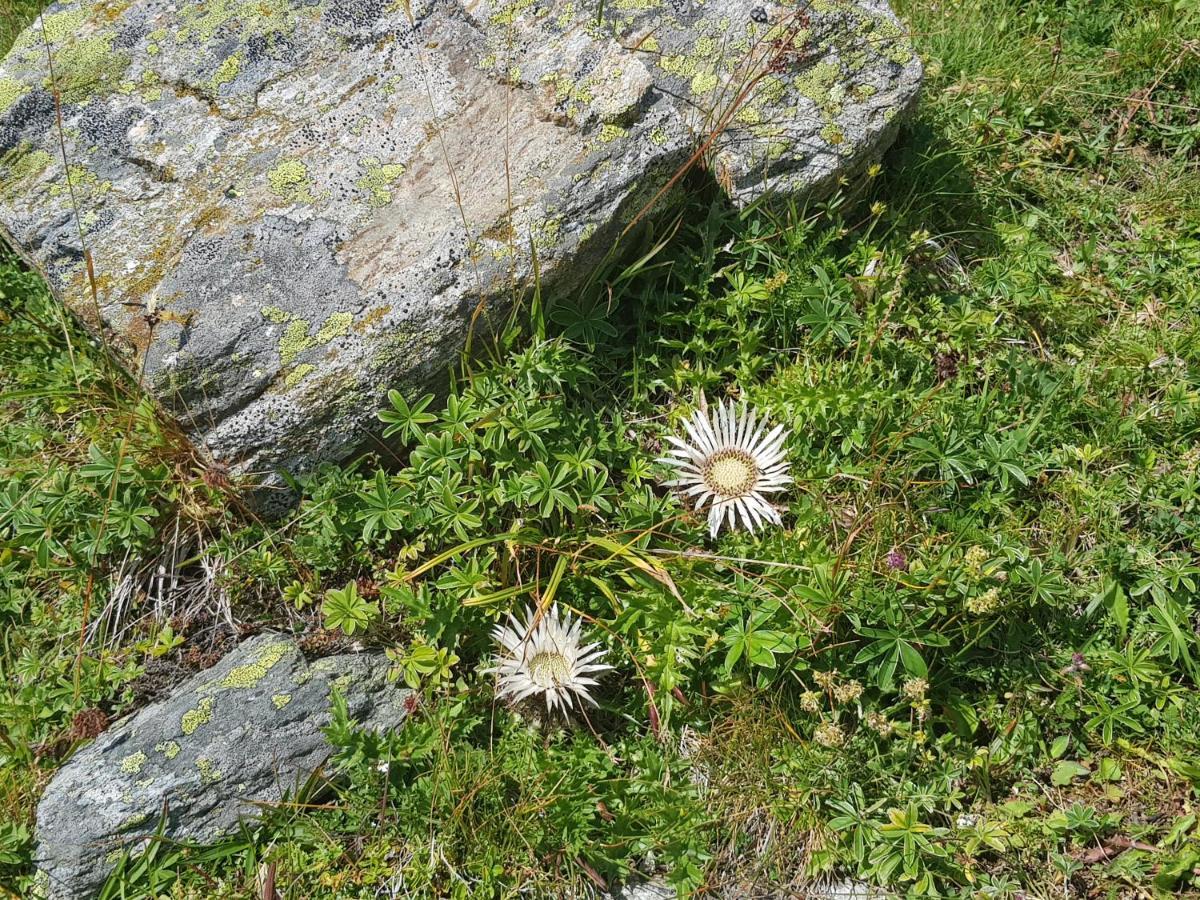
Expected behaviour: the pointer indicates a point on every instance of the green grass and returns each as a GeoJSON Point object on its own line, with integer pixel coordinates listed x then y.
{"type": "Point", "coordinates": [968, 664]}
{"type": "Point", "coordinates": [14, 16]}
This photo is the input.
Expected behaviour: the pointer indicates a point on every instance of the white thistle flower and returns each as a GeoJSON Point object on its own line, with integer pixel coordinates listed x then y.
{"type": "Point", "coordinates": [731, 462]}
{"type": "Point", "coordinates": [544, 656]}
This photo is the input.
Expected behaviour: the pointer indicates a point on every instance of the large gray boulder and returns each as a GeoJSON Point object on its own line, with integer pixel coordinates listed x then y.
{"type": "Point", "coordinates": [243, 733]}
{"type": "Point", "coordinates": [291, 206]}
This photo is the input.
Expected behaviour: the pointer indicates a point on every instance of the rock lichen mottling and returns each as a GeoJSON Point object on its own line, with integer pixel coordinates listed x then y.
{"type": "Point", "coordinates": [293, 205]}
{"type": "Point", "coordinates": [245, 732]}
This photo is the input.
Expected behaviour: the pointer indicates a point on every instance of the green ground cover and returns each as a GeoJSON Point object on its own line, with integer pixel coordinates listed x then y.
{"type": "Point", "coordinates": [968, 663]}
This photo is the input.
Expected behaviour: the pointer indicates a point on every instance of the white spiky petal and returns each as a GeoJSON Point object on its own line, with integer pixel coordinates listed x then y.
{"type": "Point", "coordinates": [544, 656]}
{"type": "Point", "coordinates": [730, 461]}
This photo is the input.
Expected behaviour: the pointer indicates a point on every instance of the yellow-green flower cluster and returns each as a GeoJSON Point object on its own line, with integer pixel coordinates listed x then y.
{"type": "Point", "coordinates": [987, 602]}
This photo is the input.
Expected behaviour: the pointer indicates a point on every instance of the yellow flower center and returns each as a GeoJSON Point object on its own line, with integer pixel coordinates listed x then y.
{"type": "Point", "coordinates": [549, 669]}
{"type": "Point", "coordinates": [730, 473]}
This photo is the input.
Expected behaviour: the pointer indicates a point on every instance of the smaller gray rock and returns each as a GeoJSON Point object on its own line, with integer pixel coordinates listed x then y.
{"type": "Point", "coordinates": [243, 733]}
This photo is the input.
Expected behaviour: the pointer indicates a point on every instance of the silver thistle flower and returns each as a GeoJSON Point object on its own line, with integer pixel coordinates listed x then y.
{"type": "Point", "coordinates": [732, 461]}
{"type": "Point", "coordinates": [544, 656]}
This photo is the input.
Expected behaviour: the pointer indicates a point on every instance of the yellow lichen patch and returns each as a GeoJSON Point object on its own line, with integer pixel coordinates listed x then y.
{"type": "Point", "coordinates": [134, 821]}
{"type": "Point", "coordinates": [22, 167]}
{"type": "Point", "coordinates": [337, 325]}
{"type": "Point", "coordinates": [194, 718]}
{"type": "Point", "coordinates": [275, 315]}
{"type": "Point", "coordinates": [546, 233]}
{"type": "Point", "coordinates": [298, 374]}
{"type": "Point", "coordinates": [132, 764]}
{"type": "Point", "coordinates": [83, 181]}
{"type": "Point", "coordinates": [508, 14]}
{"type": "Point", "coordinates": [377, 180]}
{"type": "Point", "coordinates": [749, 115]}
{"type": "Point", "coordinates": [249, 675]}
{"type": "Point", "coordinates": [227, 71]}
{"type": "Point", "coordinates": [289, 180]}
{"type": "Point", "coordinates": [677, 64]}
{"type": "Point", "coordinates": [209, 772]}
{"type": "Point", "coordinates": [705, 46]}
{"type": "Point", "coordinates": [818, 81]}
{"type": "Point", "coordinates": [251, 17]}
{"type": "Point", "coordinates": [11, 91]}
{"type": "Point", "coordinates": [169, 749]}
{"type": "Point", "coordinates": [281, 700]}
{"type": "Point", "coordinates": [703, 82]}
{"type": "Point", "coordinates": [57, 26]}
{"type": "Point", "coordinates": [294, 341]}
{"type": "Point", "coordinates": [610, 132]}
{"type": "Point", "coordinates": [85, 67]}
{"type": "Point", "coordinates": [150, 89]}
{"type": "Point", "coordinates": [770, 90]}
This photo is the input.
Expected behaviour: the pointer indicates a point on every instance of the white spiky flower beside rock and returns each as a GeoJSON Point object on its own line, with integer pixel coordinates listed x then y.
{"type": "Point", "coordinates": [731, 462]}
{"type": "Point", "coordinates": [544, 656]}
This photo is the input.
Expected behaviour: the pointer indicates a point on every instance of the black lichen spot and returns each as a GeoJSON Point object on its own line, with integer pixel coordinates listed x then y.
{"type": "Point", "coordinates": [272, 47]}
{"type": "Point", "coordinates": [32, 113]}
{"type": "Point", "coordinates": [128, 36]}
{"type": "Point", "coordinates": [104, 216]}
{"type": "Point", "coordinates": [108, 132]}
{"type": "Point", "coordinates": [355, 13]}
{"type": "Point", "coordinates": [759, 15]}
